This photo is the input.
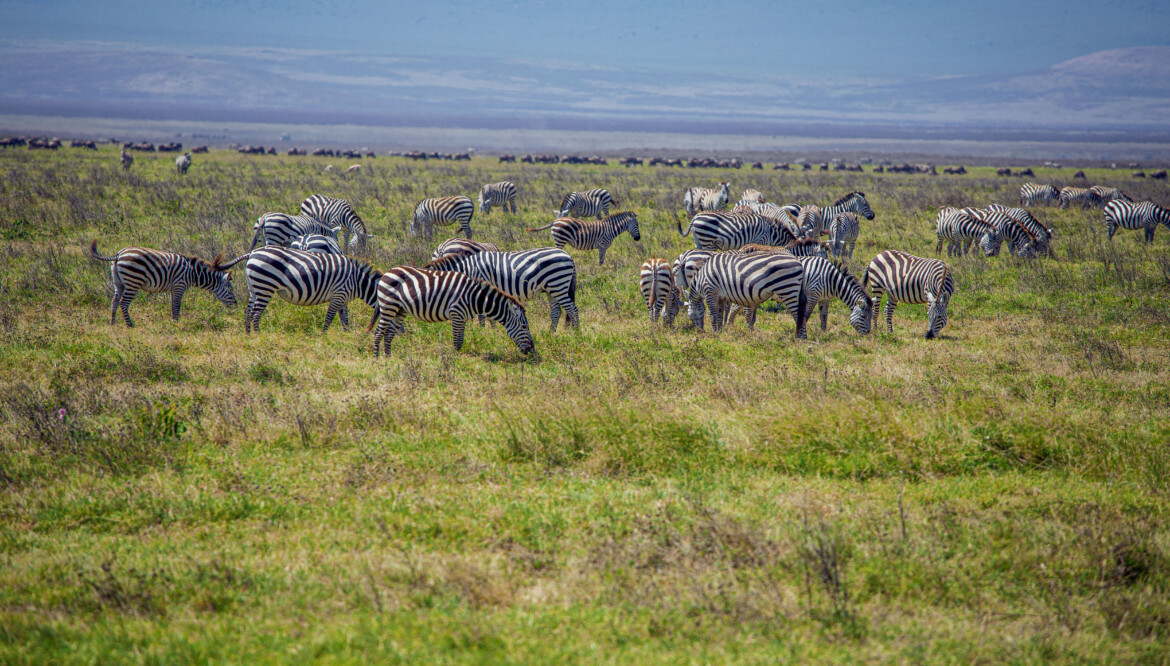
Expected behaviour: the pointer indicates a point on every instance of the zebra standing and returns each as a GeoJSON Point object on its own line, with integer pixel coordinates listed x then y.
{"type": "Point", "coordinates": [1042, 235]}
{"type": "Point", "coordinates": [905, 278]}
{"type": "Point", "coordinates": [843, 232]}
{"type": "Point", "coordinates": [685, 267]}
{"type": "Point", "coordinates": [811, 221]}
{"type": "Point", "coordinates": [699, 199]}
{"type": "Point", "coordinates": [307, 278]}
{"type": "Point", "coordinates": [182, 163]}
{"type": "Point", "coordinates": [585, 204]}
{"type": "Point", "coordinates": [747, 281]}
{"type": "Point", "coordinates": [337, 213]}
{"type": "Point", "coordinates": [281, 229]}
{"type": "Point", "coordinates": [127, 160]}
{"type": "Point", "coordinates": [854, 202]}
{"type": "Point", "coordinates": [318, 243]}
{"type": "Point", "coordinates": [137, 269]}
{"type": "Point", "coordinates": [1035, 194]}
{"type": "Point", "coordinates": [1020, 240]}
{"type": "Point", "coordinates": [443, 211]}
{"type": "Point", "coordinates": [751, 196]}
{"type": "Point", "coordinates": [1103, 195]}
{"type": "Point", "coordinates": [462, 246]}
{"type": "Point", "coordinates": [961, 228]}
{"type": "Point", "coordinates": [717, 230]}
{"type": "Point", "coordinates": [502, 194]}
{"type": "Point", "coordinates": [1078, 195]}
{"type": "Point", "coordinates": [444, 296]}
{"type": "Point", "coordinates": [523, 275]}
{"type": "Point", "coordinates": [656, 282]}
{"type": "Point", "coordinates": [1126, 215]}
{"type": "Point", "coordinates": [585, 235]}
{"type": "Point", "coordinates": [824, 281]}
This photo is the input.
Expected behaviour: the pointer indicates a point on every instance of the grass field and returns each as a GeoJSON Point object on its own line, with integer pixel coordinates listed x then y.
{"type": "Point", "coordinates": [627, 493]}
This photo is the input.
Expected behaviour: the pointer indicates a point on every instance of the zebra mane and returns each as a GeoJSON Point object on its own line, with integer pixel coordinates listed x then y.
{"type": "Point", "coordinates": [492, 287]}
{"type": "Point", "coordinates": [847, 197]}
{"type": "Point", "coordinates": [447, 259]}
{"type": "Point", "coordinates": [367, 268]}
{"type": "Point", "coordinates": [620, 216]}
{"type": "Point", "coordinates": [568, 196]}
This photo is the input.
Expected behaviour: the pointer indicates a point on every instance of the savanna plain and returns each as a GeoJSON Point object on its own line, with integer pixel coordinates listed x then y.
{"type": "Point", "coordinates": [182, 492]}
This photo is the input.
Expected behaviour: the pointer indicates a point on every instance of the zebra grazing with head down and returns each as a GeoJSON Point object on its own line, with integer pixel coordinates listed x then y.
{"type": "Point", "coordinates": [442, 211]}
{"type": "Point", "coordinates": [281, 229]}
{"type": "Point", "coordinates": [747, 281]}
{"type": "Point", "coordinates": [1144, 215]}
{"type": "Point", "coordinates": [462, 246]}
{"type": "Point", "coordinates": [699, 199]}
{"type": "Point", "coordinates": [523, 275]}
{"type": "Point", "coordinates": [1035, 194]}
{"type": "Point", "coordinates": [1041, 235]}
{"type": "Point", "coordinates": [656, 281]}
{"type": "Point", "coordinates": [1020, 241]}
{"type": "Point", "coordinates": [337, 213]}
{"type": "Point", "coordinates": [502, 194]}
{"type": "Point", "coordinates": [443, 296]}
{"type": "Point", "coordinates": [318, 243]}
{"type": "Point", "coordinates": [127, 160]}
{"type": "Point", "coordinates": [717, 230]}
{"type": "Point", "coordinates": [306, 278]}
{"type": "Point", "coordinates": [824, 281]}
{"type": "Point", "coordinates": [961, 229]}
{"type": "Point", "coordinates": [843, 232]}
{"type": "Point", "coordinates": [586, 235]}
{"type": "Point", "coordinates": [1103, 195]}
{"type": "Point", "coordinates": [136, 269]}
{"type": "Point", "coordinates": [182, 163]}
{"type": "Point", "coordinates": [586, 204]}
{"type": "Point", "coordinates": [905, 278]}
{"type": "Point", "coordinates": [1077, 195]}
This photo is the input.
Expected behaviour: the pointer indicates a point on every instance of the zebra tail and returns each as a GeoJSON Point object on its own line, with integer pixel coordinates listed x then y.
{"type": "Point", "coordinates": [256, 237]}
{"type": "Point", "coordinates": [801, 304]}
{"type": "Point", "coordinates": [220, 266]}
{"type": "Point", "coordinates": [374, 319]}
{"type": "Point", "coordinates": [544, 227]}
{"type": "Point", "coordinates": [573, 287]}
{"type": "Point", "coordinates": [93, 252]}
{"type": "Point", "coordinates": [678, 224]}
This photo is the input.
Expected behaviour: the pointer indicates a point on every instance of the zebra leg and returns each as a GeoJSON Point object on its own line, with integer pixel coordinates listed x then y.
{"type": "Point", "coordinates": [457, 327]}
{"type": "Point", "coordinates": [1150, 232]}
{"type": "Point", "coordinates": [331, 312]}
{"type": "Point", "coordinates": [482, 321]}
{"type": "Point", "coordinates": [890, 305]}
{"type": "Point", "coordinates": [177, 301]}
{"type": "Point", "coordinates": [749, 316]}
{"type": "Point", "coordinates": [601, 255]}
{"type": "Point", "coordinates": [344, 314]}
{"type": "Point", "coordinates": [852, 246]}
{"type": "Point", "coordinates": [571, 316]}
{"type": "Point", "coordinates": [467, 230]}
{"type": "Point", "coordinates": [938, 248]}
{"type": "Point", "coordinates": [824, 315]}
{"type": "Point", "coordinates": [128, 295]}
{"type": "Point", "coordinates": [512, 203]}
{"type": "Point", "coordinates": [1111, 228]}
{"type": "Point", "coordinates": [119, 289]}
{"type": "Point", "coordinates": [554, 311]}
{"type": "Point", "coordinates": [714, 311]}
{"type": "Point", "coordinates": [258, 306]}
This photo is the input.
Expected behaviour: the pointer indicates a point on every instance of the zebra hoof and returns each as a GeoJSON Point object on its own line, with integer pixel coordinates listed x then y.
{"type": "Point", "coordinates": [930, 335]}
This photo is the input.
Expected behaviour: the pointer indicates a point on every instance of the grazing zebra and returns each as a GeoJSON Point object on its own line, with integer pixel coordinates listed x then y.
{"type": "Point", "coordinates": [443, 211]}
{"type": "Point", "coordinates": [1078, 195]}
{"type": "Point", "coordinates": [656, 281]}
{"type": "Point", "coordinates": [699, 199]}
{"type": "Point", "coordinates": [137, 269]}
{"type": "Point", "coordinates": [717, 230]}
{"type": "Point", "coordinates": [961, 228]}
{"type": "Point", "coordinates": [824, 281]}
{"type": "Point", "coordinates": [1126, 215]}
{"type": "Point", "coordinates": [843, 232]}
{"type": "Point", "coordinates": [337, 213]}
{"type": "Point", "coordinates": [502, 194]}
{"type": "Point", "coordinates": [318, 243]}
{"type": "Point", "coordinates": [462, 246]}
{"type": "Point", "coordinates": [444, 296]}
{"type": "Point", "coordinates": [905, 278]}
{"type": "Point", "coordinates": [1103, 195]}
{"type": "Point", "coordinates": [751, 196]}
{"type": "Point", "coordinates": [182, 163]}
{"type": "Point", "coordinates": [599, 235]}
{"type": "Point", "coordinates": [281, 229]}
{"type": "Point", "coordinates": [1035, 194]}
{"type": "Point", "coordinates": [1020, 240]}
{"type": "Point", "coordinates": [307, 278]}
{"type": "Point", "coordinates": [523, 275]}
{"type": "Point", "coordinates": [1041, 234]}
{"type": "Point", "coordinates": [585, 204]}
{"type": "Point", "coordinates": [747, 281]}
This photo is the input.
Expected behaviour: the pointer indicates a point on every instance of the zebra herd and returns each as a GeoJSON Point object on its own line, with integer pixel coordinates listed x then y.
{"type": "Point", "coordinates": [1121, 212]}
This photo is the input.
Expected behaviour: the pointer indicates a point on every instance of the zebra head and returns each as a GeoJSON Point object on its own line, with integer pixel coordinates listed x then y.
{"type": "Point", "coordinates": [217, 278]}
{"type": "Point", "coordinates": [936, 313]}
{"type": "Point", "coordinates": [696, 310]}
{"type": "Point", "coordinates": [632, 227]}
{"type": "Point", "coordinates": [359, 232]}
{"type": "Point", "coordinates": [485, 206]}
{"type": "Point", "coordinates": [990, 241]}
{"type": "Point", "coordinates": [567, 204]}
{"type": "Point", "coordinates": [516, 324]}
{"type": "Point", "coordinates": [862, 315]}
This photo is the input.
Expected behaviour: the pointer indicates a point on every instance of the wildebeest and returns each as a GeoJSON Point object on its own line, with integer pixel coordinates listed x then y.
{"type": "Point", "coordinates": [1159, 175]}
{"type": "Point", "coordinates": [1025, 172]}
{"type": "Point", "coordinates": [1079, 174]}
{"type": "Point", "coordinates": [507, 158]}
{"type": "Point", "coordinates": [170, 147]}
{"type": "Point", "coordinates": [296, 151]}
{"type": "Point", "coordinates": [1139, 174]}
{"type": "Point", "coordinates": [780, 166]}
{"type": "Point", "coordinates": [959, 170]}
{"type": "Point", "coordinates": [199, 149]}
{"type": "Point", "coordinates": [1003, 171]}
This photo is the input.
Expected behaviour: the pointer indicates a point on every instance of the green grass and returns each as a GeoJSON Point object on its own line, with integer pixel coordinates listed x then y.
{"type": "Point", "coordinates": [627, 493]}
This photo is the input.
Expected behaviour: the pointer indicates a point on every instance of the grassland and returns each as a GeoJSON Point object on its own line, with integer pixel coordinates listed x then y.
{"type": "Point", "coordinates": [626, 494]}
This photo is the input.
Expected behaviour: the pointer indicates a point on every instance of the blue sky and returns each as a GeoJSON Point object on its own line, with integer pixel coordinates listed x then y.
{"type": "Point", "coordinates": [841, 40]}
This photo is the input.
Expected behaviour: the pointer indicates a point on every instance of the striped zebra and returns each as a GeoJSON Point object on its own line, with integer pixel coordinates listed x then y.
{"type": "Point", "coordinates": [442, 211]}
{"type": "Point", "coordinates": [747, 281]}
{"type": "Point", "coordinates": [318, 243]}
{"type": "Point", "coordinates": [699, 199]}
{"type": "Point", "coordinates": [126, 160]}
{"type": "Point", "coordinates": [1103, 195]}
{"type": "Point", "coordinates": [522, 275]}
{"type": "Point", "coordinates": [824, 281]}
{"type": "Point", "coordinates": [136, 269]}
{"type": "Point", "coordinates": [443, 296]}
{"type": "Point", "coordinates": [802, 247]}
{"type": "Point", "coordinates": [280, 229]}
{"type": "Point", "coordinates": [1126, 215]}
{"type": "Point", "coordinates": [751, 196]}
{"type": "Point", "coordinates": [307, 278]}
{"type": "Point", "coordinates": [182, 163]}
{"type": "Point", "coordinates": [1020, 241]}
{"type": "Point", "coordinates": [962, 228]}
{"type": "Point", "coordinates": [656, 281]}
{"type": "Point", "coordinates": [502, 194]}
{"type": "Point", "coordinates": [587, 235]}
{"type": "Point", "coordinates": [905, 278]}
{"type": "Point", "coordinates": [843, 232]}
{"type": "Point", "coordinates": [586, 204]}
{"type": "Point", "coordinates": [1042, 235]}
{"type": "Point", "coordinates": [685, 267]}
{"type": "Point", "coordinates": [337, 213]}
{"type": "Point", "coordinates": [811, 222]}
{"type": "Point", "coordinates": [1035, 194]}
{"type": "Point", "coordinates": [718, 230]}
{"type": "Point", "coordinates": [854, 202]}
{"type": "Point", "coordinates": [1077, 195]}
{"type": "Point", "coordinates": [462, 246]}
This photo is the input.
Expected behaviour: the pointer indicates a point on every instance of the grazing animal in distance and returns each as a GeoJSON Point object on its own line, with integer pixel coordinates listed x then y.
{"type": "Point", "coordinates": [1035, 194]}
{"type": "Point", "coordinates": [1078, 195]}
{"type": "Point", "coordinates": [962, 228]}
{"type": "Point", "coordinates": [127, 160]}
{"type": "Point", "coordinates": [905, 278]}
{"type": "Point", "coordinates": [328, 168]}
{"type": "Point", "coordinates": [442, 211]}
{"type": "Point", "coordinates": [337, 213]}
{"type": "Point", "coordinates": [502, 194]}
{"type": "Point", "coordinates": [595, 202]}
{"type": "Point", "coordinates": [1103, 195]}
{"type": "Point", "coordinates": [588, 235]}
{"type": "Point", "coordinates": [718, 230]}
{"type": "Point", "coordinates": [355, 168]}
{"type": "Point", "coordinates": [281, 229]}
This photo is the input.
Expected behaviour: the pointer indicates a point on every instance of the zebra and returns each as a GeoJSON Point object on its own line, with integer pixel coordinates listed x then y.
{"type": "Point", "coordinates": [1041, 234]}
{"type": "Point", "coordinates": [337, 213]}
{"type": "Point", "coordinates": [281, 229]}
{"type": "Point", "coordinates": [747, 281]}
{"type": "Point", "coordinates": [685, 267]}
{"type": "Point", "coordinates": [585, 204]}
{"type": "Point", "coordinates": [307, 278]}
{"type": "Point", "coordinates": [824, 281]}
{"type": "Point", "coordinates": [750, 196]}
{"type": "Point", "coordinates": [501, 194]}
{"type": "Point", "coordinates": [523, 275]}
{"type": "Point", "coordinates": [717, 230]}
{"type": "Point", "coordinates": [854, 202]}
{"type": "Point", "coordinates": [802, 247]}
{"type": "Point", "coordinates": [811, 221]}
{"type": "Point", "coordinates": [843, 232]}
{"type": "Point", "coordinates": [586, 235]}
{"type": "Point", "coordinates": [1126, 215]}
{"type": "Point", "coordinates": [905, 278]}
{"type": "Point", "coordinates": [1103, 195]}
{"type": "Point", "coordinates": [1080, 195]}
{"type": "Point", "coordinates": [462, 246]}
{"type": "Point", "coordinates": [443, 211]}
{"type": "Point", "coordinates": [137, 269]}
{"type": "Point", "coordinates": [182, 163]}
{"type": "Point", "coordinates": [656, 281]}
{"type": "Point", "coordinates": [127, 160]}
{"type": "Point", "coordinates": [319, 243]}
{"type": "Point", "coordinates": [1033, 194]}
{"type": "Point", "coordinates": [443, 296]}
{"type": "Point", "coordinates": [1020, 240]}
{"type": "Point", "coordinates": [698, 199]}
{"type": "Point", "coordinates": [961, 228]}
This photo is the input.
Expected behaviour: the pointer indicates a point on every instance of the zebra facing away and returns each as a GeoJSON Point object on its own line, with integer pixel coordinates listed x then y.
{"type": "Point", "coordinates": [523, 275]}
{"type": "Point", "coordinates": [699, 199]}
{"type": "Point", "coordinates": [686, 266]}
{"type": "Point", "coordinates": [127, 160]}
{"type": "Point", "coordinates": [337, 213]}
{"type": "Point", "coordinates": [462, 246]}
{"type": "Point", "coordinates": [1035, 194]}
{"type": "Point", "coordinates": [318, 243]}
{"type": "Point", "coordinates": [1144, 215]}
{"type": "Point", "coordinates": [906, 278]}
{"type": "Point", "coordinates": [306, 278]}
{"type": "Point", "coordinates": [443, 296]}
{"type": "Point", "coordinates": [136, 269]}
{"type": "Point", "coordinates": [717, 230]}
{"type": "Point", "coordinates": [442, 211]}
{"type": "Point", "coordinates": [502, 194]}
{"type": "Point", "coordinates": [656, 282]}
{"type": "Point", "coordinates": [962, 228]}
{"type": "Point", "coordinates": [747, 281]}
{"type": "Point", "coordinates": [588, 235]}
{"type": "Point", "coordinates": [281, 229]}
{"type": "Point", "coordinates": [586, 204]}
{"type": "Point", "coordinates": [182, 163]}
{"type": "Point", "coordinates": [843, 232]}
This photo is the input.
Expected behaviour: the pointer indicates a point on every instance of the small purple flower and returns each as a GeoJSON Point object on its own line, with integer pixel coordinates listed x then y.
{"type": "Point", "coordinates": [61, 414]}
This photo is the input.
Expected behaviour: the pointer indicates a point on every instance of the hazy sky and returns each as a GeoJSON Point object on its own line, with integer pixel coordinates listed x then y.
{"type": "Point", "coordinates": [897, 39]}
